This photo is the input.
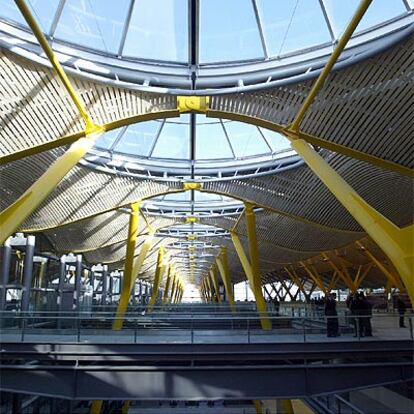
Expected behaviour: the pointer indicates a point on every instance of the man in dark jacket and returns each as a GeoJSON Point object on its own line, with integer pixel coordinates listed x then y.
{"type": "Point", "coordinates": [332, 316]}
{"type": "Point", "coordinates": [366, 313]}
{"type": "Point", "coordinates": [401, 311]}
{"type": "Point", "coordinates": [357, 309]}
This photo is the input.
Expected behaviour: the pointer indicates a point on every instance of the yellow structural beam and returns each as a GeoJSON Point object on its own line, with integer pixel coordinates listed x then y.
{"type": "Point", "coordinates": [360, 276]}
{"type": "Point", "coordinates": [214, 279]}
{"type": "Point", "coordinates": [352, 25]}
{"type": "Point", "coordinates": [344, 275]}
{"type": "Point", "coordinates": [396, 243]}
{"type": "Point", "coordinates": [210, 288]}
{"type": "Point", "coordinates": [223, 266]}
{"type": "Point", "coordinates": [193, 104]}
{"type": "Point", "coordinates": [253, 276]}
{"type": "Point", "coordinates": [96, 407]}
{"type": "Point", "coordinates": [13, 216]}
{"type": "Point", "coordinates": [125, 294]}
{"type": "Point", "coordinates": [31, 21]}
{"type": "Point", "coordinates": [255, 265]}
{"type": "Point", "coordinates": [173, 288]}
{"type": "Point", "coordinates": [130, 250]}
{"type": "Point", "coordinates": [314, 276]}
{"type": "Point", "coordinates": [167, 285]}
{"type": "Point", "coordinates": [394, 279]}
{"type": "Point", "coordinates": [125, 407]}
{"type": "Point", "coordinates": [286, 407]}
{"type": "Point", "coordinates": [157, 278]}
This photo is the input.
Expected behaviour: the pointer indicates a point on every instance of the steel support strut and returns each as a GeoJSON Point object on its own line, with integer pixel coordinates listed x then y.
{"type": "Point", "coordinates": [157, 278]}
{"type": "Point", "coordinates": [252, 270]}
{"type": "Point", "coordinates": [125, 294]}
{"type": "Point", "coordinates": [14, 215]}
{"type": "Point", "coordinates": [396, 243]}
{"type": "Point", "coordinates": [214, 279]}
{"type": "Point", "coordinates": [167, 285]}
{"type": "Point", "coordinates": [223, 266]}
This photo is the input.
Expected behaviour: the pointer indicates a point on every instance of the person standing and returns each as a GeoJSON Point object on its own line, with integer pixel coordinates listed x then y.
{"type": "Point", "coordinates": [401, 311]}
{"type": "Point", "coordinates": [332, 325]}
{"type": "Point", "coordinates": [366, 313]}
{"type": "Point", "coordinates": [356, 307]}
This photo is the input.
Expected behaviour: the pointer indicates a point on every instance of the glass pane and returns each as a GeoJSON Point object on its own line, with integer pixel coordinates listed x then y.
{"type": "Point", "coordinates": [202, 197]}
{"type": "Point", "coordinates": [291, 25]}
{"type": "Point", "coordinates": [246, 140]}
{"type": "Point", "coordinates": [211, 141]}
{"type": "Point", "coordinates": [174, 141]}
{"type": "Point", "coordinates": [341, 12]}
{"type": "Point", "coordinates": [158, 30]}
{"type": "Point", "coordinates": [10, 11]}
{"type": "Point", "coordinates": [93, 23]}
{"type": "Point", "coordinates": [184, 196]}
{"type": "Point", "coordinates": [44, 12]}
{"type": "Point", "coordinates": [106, 140]}
{"type": "Point", "coordinates": [277, 141]}
{"type": "Point", "coordinates": [138, 139]}
{"type": "Point", "coordinates": [228, 31]}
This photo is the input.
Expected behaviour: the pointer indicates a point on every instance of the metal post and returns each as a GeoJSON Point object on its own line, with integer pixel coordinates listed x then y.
{"type": "Point", "coordinates": [104, 284]}
{"type": "Point", "coordinates": [5, 272]}
{"type": "Point", "coordinates": [78, 281]}
{"type": "Point", "coordinates": [28, 272]}
{"type": "Point", "coordinates": [62, 274]}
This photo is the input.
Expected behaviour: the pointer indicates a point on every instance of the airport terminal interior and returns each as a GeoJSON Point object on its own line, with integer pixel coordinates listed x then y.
{"type": "Point", "coordinates": [206, 206]}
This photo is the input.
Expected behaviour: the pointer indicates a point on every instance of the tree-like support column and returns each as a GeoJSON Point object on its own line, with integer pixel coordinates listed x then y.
{"type": "Point", "coordinates": [157, 278]}
{"type": "Point", "coordinates": [223, 266]}
{"type": "Point", "coordinates": [167, 285]}
{"type": "Point", "coordinates": [252, 270]}
{"type": "Point", "coordinates": [125, 294]}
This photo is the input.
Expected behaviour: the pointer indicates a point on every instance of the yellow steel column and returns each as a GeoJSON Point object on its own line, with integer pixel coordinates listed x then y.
{"type": "Point", "coordinates": [223, 266]}
{"type": "Point", "coordinates": [214, 279]}
{"type": "Point", "coordinates": [287, 407]}
{"type": "Point", "coordinates": [210, 288]}
{"type": "Point", "coordinates": [395, 280]}
{"type": "Point", "coordinates": [125, 295]}
{"type": "Point", "coordinates": [125, 407]}
{"type": "Point", "coordinates": [14, 215]}
{"type": "Point", "coordinates": [157, 278]}
{"type": "Point", "coordinates": [352, 25]}
{"type": "Point", "coordinates": [173, 287]}
{"type": "Point", "coordinates": [396, 243]}
{"type": "Point", "coordinates": [260, 302]}
{"type": "Point", "coordinates": [315, 277]}
{"type": "Point", "coordinates": [96, 407]}
{"type": "Point", "coordinates": [167, 285]}
{"type": "Point", "coordinates": [255, 265]}
{"type": "Point", "coordinates": [344, 276]}
{"type": "Point", "coordinates": [130, 250]}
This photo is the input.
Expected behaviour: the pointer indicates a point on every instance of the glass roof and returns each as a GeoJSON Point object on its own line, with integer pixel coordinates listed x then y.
{"type": "Point", "coordinates": [200, 31]}
{"type": "Point", "coordinates": [214, 139]}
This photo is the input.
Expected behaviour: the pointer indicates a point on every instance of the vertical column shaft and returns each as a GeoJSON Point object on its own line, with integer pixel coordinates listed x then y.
{"type": "Point", "coordinates": [28, 272]}
{"type": "Point", "coordinates": [78, 281]}
{"type": "Point", "coordinates": [5, 272]}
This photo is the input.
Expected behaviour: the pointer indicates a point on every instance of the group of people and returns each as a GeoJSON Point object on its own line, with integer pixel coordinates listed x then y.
{"type": "Point", "coordinates": [361, 310]}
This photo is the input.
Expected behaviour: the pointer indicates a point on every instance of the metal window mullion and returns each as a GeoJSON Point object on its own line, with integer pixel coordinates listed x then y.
{"type": "Point", "coordinates": [156, 139]}
{"type": "Point", "coordinates": [228, 139]}
{"type": "Point", "coordinates": [118, 138]}
{"type": "Point", "coordinates": [126, 28]}
{"type": "Point", "coordinates": [56, 18]}
{"type": "Point", "coordinates": [260, 27]}
{"type": "Point", "coordinates": [328, 20]}
{"type": "Point", "coordinates": [265, 139]}
{"type": "Point", "coordinates": [409, 4]}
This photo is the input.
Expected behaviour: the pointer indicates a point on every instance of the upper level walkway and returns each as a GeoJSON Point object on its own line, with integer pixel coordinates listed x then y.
{"type": "Point", "coordinates": [203, 354]}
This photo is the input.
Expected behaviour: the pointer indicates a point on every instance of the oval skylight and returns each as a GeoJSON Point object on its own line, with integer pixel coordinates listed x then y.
{"type": "Point", "coordinates": [210, 146]}
{"type": "Point", "coordinates": [174, 39]}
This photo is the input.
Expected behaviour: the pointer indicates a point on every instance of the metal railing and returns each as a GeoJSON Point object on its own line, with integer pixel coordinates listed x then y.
{"type": "Point", "coordinates": [198, 327]}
